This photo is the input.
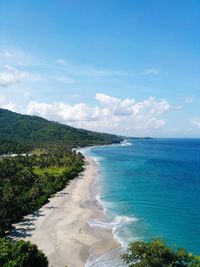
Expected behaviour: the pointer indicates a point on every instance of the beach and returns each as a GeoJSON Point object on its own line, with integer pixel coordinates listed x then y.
{"type": "Point", "coordinates": [60, 228]}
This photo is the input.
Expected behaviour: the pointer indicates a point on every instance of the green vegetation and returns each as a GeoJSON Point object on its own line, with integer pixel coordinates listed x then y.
{"type": "Point", "coordinates": [37, 132]}
{"type": "Point", "coordinates": [26, 182]}
{"type": "Point", "coordinates": [55, 171]}
{"type": "Point", "coordinates": [21, 254]}
{"type": "Point", "coordinates": [13, 147]}
{"type": "Point", "coordinates": [157, 254]}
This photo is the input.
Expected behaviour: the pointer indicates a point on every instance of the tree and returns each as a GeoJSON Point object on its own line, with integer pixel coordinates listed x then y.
{"type": "Point", "coordinates": [21, 254]}
{"type": "Point", "coordinates": [157, 254]}
{"type": "Point", "coordinates": [26, 182]}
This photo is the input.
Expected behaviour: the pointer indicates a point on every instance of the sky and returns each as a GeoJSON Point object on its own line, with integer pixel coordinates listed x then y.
{"type": "Point", "coordinates": [117, 66]}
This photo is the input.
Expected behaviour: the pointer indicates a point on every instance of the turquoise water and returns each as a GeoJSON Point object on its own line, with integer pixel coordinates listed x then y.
{"type": "Point", "coordinates": [151, 188]}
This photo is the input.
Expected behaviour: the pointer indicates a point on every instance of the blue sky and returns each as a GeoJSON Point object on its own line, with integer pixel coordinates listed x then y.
{"type": "Point", "coordinates": [128, 67]}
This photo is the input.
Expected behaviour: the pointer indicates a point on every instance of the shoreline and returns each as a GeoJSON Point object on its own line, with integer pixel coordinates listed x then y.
{"type": "Point", "coordinates": [61, 229]}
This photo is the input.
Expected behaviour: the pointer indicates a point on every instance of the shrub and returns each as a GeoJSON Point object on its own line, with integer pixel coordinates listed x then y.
{"type": "Point", "coordinates": [21, 254]}
{"type": "Point", "coordinates": [157, 254]}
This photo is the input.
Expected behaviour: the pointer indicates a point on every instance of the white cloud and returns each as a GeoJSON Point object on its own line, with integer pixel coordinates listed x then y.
{"type": "Point", "coordinates": [112, 114]}
{"type": "Point", "coordinates": [7, 79]}
{"type": "Point", "coordinates": [107, 100]}
{"type": "Point", "coordinates": [63, 112]}
{"type": "Point", "coordinates": [18, 57]}
{"type": "Point", "coordinates": [13, 107]}
{"type": "Point", "coordinates": [117, 106]}
{"type": "Point", "coordinates": [11, 76]}
{"type": "Point", "coordinates": [189, 99]}
{"type": "Point", "coordinates": [59, 72]}
{"type": "Point", "coordinates": [151, 72]}
{"type": "Point", "coordinates": [196, 122]}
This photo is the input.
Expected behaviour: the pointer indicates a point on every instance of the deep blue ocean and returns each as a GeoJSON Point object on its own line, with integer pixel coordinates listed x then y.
{"type": "Point", "coordinates": [150, 188]}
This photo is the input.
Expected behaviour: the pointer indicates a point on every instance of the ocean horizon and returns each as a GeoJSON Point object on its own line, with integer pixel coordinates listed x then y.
{"type": "Point", "coordinates": [149, 188]}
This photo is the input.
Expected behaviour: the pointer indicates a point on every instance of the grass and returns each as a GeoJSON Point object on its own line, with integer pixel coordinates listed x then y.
{"type": "Point", "coordinates": [38, 152]}
{"type": "Point", "coordinates": [54, 171]}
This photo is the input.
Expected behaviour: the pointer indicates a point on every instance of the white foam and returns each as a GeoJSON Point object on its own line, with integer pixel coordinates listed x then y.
{"type": "Point", "coordinates": [118, 221]}
{"type": "Point", "coordinates": [83, 150]}
{"type": "Point", "coordinates": [98, 159]}
{"type": "Point", "coordinates": [103, 204]}
{"type": "Point", "coordinates": [115, 224]}
{"type": "Point", "coordinates": [125, 143]}
{"type": "Point", "coordinates": [110, 259]}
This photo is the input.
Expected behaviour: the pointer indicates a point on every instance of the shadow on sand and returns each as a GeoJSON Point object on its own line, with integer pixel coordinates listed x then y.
{"type": "Point", "coordinates": [25, 227]}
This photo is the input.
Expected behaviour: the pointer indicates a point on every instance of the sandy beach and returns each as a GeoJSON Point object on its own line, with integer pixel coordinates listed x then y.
{"type": "Point", "coordinates": [61, 229]}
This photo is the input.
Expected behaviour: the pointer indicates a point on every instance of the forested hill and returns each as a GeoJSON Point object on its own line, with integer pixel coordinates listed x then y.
{"type": "Point", "coordinates": [36, 131]}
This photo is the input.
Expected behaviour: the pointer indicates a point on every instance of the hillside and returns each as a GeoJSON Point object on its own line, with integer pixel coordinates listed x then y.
{"type": "Point", "coordinates": [36, 131]}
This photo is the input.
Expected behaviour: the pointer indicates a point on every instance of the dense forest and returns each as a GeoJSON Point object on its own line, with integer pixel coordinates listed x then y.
{"type": "Point", "coordinates": [14, 147]}
{"type": "Point", "coordinates": [37, 132]}
{"type": "Point", "coordinates": [26, 182]}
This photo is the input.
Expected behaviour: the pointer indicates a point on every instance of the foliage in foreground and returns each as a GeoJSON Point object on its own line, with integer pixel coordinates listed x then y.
{"type": "Point", "coordinates": [158, 254]}
{"type": "Point", "coordinates": [21, 254]}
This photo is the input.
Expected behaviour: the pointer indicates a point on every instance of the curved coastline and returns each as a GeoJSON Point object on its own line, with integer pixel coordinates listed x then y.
{"type": "Point", "coordinates": [61, 228]}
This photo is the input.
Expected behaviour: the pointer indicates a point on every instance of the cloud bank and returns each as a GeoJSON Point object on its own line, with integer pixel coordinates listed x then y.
{"type": "Point", "coordinates": [11, 75]}
{"type": "Point", "coordinates": [111, 114]}
{"type": "Point", "coordinates": [196, 122]}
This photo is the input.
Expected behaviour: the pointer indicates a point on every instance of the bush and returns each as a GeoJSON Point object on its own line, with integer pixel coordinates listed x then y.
{"type": "Point", "coordinates": [157, 254]}
{"type": "Point", "coordinates": [21, 254]}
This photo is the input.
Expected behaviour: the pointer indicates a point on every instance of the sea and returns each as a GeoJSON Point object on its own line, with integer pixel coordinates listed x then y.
{"type": "Point", "coordinates": [149, 188]}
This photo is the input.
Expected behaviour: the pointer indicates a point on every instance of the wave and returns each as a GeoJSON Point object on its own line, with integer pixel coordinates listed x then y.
{"type": "Point", "coordinates": [83, 150]}
{"type": "Point", "coordinates": [119, 225]}
{"type": "Point", "coordinates": [97, 159]}
{"type": "Point", "coordinates": [109, 259]}
{"type": "Point", "coordinates": [112, 258]}
{"type": "Point", "coordinates": [103, 204]}
{"type": "Point", "coordinates": [126, 143]}
{"type": "Point", "coordinates": [118, 222]}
